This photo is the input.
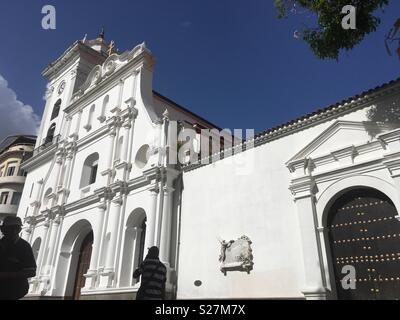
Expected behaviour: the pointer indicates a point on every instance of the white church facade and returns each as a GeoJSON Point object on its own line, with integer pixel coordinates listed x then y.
{"type": "Point", "coordinates": [308, 198]}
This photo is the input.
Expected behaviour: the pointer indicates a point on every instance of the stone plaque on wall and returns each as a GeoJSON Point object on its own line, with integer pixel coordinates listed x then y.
{"type": "Point", "coordinates": [236, 255]}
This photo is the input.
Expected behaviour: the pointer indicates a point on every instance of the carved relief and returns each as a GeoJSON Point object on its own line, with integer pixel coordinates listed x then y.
{"type": "Point", "coordinates": [113, 62]}
{"type": "Point", "coordinates": [236, 255]}
{"type": "Point", "coordinates": [61, 87]}
{"type": "Point", "coordinates": [110, 65]}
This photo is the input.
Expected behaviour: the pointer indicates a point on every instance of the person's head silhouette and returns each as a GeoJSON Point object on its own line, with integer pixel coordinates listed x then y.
{"type": "Point", "coordinates": [153, 253]}
{"type": "Point", "coordinates": [11, 227]}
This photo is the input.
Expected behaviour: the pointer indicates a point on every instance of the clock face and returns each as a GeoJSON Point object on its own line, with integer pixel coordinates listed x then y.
{"type": "Point", "coordinates": [61, 87]}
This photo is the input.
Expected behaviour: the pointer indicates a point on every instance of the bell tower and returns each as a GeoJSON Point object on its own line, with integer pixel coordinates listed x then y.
{"type": "Point", "coordinates": [65, 76]}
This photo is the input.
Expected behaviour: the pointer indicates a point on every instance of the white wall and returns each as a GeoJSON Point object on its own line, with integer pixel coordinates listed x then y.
{"type": "Point", "coordinates": [220, 202]}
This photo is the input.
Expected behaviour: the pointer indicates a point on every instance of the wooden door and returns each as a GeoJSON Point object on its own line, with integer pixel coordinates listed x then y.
{"type": "Point", "coordinates": [364, 233]}
{"type": "Point", "coordinates": [85, 254]}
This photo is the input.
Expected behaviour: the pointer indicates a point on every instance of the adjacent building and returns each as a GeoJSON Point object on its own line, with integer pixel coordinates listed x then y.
{"type": "Point", "coordinates": [14, 150]}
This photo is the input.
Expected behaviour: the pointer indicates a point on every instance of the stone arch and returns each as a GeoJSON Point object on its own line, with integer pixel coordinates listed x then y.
{"type": "Point", "coordinates": [36, 247]}
{"type": "Point", "coordinates": [339, 187]}
{"type": "Point", "coordinates": [133, 246]}
{"type": "Point", "coordinates": [334, 193]}
{"type": "Point", "coordinates": [68, 257]}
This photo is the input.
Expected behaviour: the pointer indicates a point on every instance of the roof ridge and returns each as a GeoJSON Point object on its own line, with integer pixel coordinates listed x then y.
{"type": "Point", "coordinates": [301, 122]}
{"type": "Point", "coordinates": [330, 107]}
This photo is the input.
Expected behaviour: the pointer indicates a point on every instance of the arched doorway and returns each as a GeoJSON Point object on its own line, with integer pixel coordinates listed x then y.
{"type": "Point", "coordinates": [133, 248]}
{"type": "Point", "coordinates": [71, 259]}
{"type": "Point", "coordinates": [364, 233]}
{"type": "Point", "coordinates": [85, 254]}
{"type": "Point", "coordinates": [36, 247]}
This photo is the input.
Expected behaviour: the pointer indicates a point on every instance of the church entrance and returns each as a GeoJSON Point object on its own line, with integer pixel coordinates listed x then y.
{"type": "Point", "coordinates": [85, 254]}
{"type": "Point", "coordinates": [364, 233]}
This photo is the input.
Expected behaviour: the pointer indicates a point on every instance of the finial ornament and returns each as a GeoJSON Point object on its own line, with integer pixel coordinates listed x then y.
{"type": "Point", "coordinates": [102, 33]}
{"type": "Point", "coordinates": [166, 114]}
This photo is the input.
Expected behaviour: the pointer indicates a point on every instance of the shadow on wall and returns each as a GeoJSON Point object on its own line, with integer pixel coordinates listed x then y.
{"type": "Point", "coordinates": [386, 113]}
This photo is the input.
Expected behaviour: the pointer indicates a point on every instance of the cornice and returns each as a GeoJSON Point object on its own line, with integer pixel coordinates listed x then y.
{"type": "Point", "coordinates": [91, 137]}
{"type": "Point", "coordinates": [39, 158]}
{"type": "Point", "coordinates": [392, 162]}
{"type": "Point", "coordinates": [81, 203]}
{"type": "Point", "coordinates": [67, 59]}
{"type": "Point", "coordinates": [303, 187]}
{"type": "Point", "coordinates": [345, 171]}
{"type": "Point", "coordinates": [107, 193]}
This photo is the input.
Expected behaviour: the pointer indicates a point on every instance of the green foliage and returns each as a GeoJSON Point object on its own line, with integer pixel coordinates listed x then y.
{"type": "Point", "coordinates": [392, 37]}
{"type": "Point", "coordinates": [328, 38]}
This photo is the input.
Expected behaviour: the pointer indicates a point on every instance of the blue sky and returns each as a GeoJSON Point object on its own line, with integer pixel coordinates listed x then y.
{"type": "Point", "coordinates": [232, 62]}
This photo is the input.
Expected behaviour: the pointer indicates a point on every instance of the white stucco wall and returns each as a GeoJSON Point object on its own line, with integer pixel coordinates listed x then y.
{"type": "Point", "coordinates": [219, 202]}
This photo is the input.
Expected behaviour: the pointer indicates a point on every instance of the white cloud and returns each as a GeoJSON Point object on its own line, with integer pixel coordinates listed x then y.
{"type": "Point", "coordinates": [15, 116]}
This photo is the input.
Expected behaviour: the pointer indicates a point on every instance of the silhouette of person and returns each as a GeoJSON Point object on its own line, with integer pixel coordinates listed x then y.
{"type": "Point", "coordinates": [154, 276]}
{"type": "Point", "coordinates": [17, 262]}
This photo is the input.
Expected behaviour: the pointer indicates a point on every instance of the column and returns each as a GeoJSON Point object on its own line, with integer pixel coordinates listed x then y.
{"type": "Point", "coordinates": [314, 286]}
{"type": "Point", "coordinates": [37, 190]}
{"type": "Point", "coordinates": [91, 277]}
{"type": "Point", "coordinates": [67, 127]}
{"type": "Point", "coordinates": [391, 141]}
{"type": "Point", "coordinates": [32, 223]}
{"type": "Point", "coordinates": [164, 138]}
{"type": "Point", "coordinates": [159, 124]}
{"type": "Point", "coordinates": [122, 166]}
{"type": "Point", "coordinates": [56, 245]}
{"type": "Point", "coordinates": [111, 136]}
{"type": "Point", "coordinates": [68, 164]}
{"type": "Point", "coordinates": [52, 244]}
{"type": "Point", "coordinates": [109, 270]}
{"type": "Point", "coordinates": [160, 210]}
{"type": "Point", "coordinates": [78, 123]}
{"type": "Point", "coordinates": [133, 115]}
{"type": "Point", "coordinates": [26, 233]}
{"type": "Point", "coordinates": [38, 186]}
{"type": "Point", "coordinates": [124, 152]}
{"type": "Point", "coordinates": [58, 167]}
{"type": "Point", "coordinates": [166, 226]}
{"type": "Point", "coordinates": [151, 219]}
{"type": "Point", "coordinates": [43, 247]}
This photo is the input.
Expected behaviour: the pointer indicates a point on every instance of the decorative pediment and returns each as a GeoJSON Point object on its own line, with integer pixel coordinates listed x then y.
{"type": "Point", "coordinates": [336, 138]}
{"type": "Point", "coordinates": [340, 144]}
{"type": "Point", "coordinates": [113, 63]}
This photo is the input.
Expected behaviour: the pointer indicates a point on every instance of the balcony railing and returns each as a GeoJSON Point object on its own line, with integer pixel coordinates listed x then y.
{"type": "Point", "coordinates": [46, 143]}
